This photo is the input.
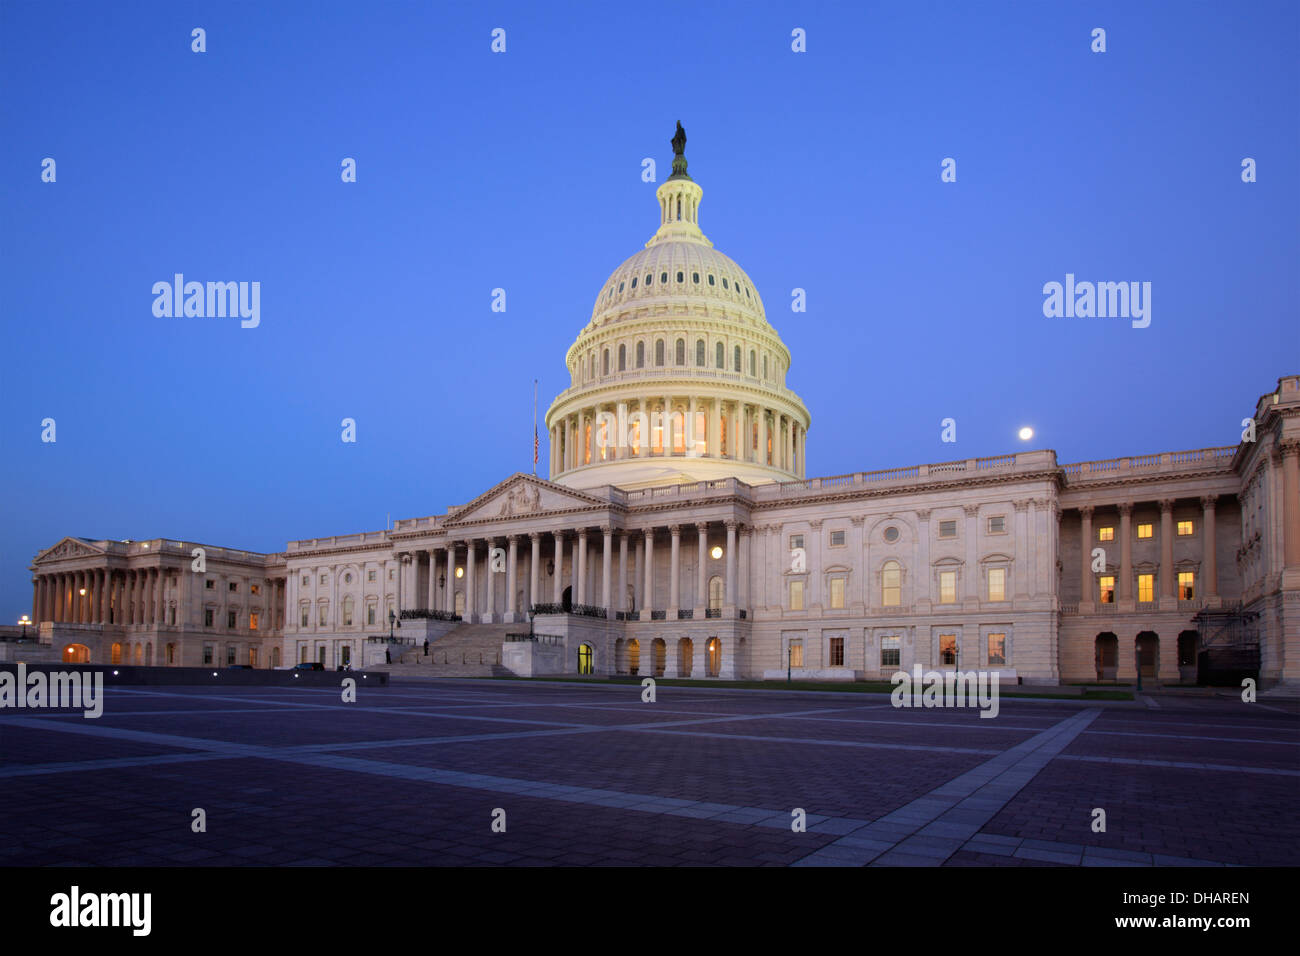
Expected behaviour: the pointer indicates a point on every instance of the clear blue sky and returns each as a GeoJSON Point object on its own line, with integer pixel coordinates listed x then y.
{"type": "Point", "coordinates": [522, 170]}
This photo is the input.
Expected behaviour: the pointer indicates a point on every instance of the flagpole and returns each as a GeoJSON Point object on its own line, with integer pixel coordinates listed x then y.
{"type": "Point", "coordinates": [535, 428]}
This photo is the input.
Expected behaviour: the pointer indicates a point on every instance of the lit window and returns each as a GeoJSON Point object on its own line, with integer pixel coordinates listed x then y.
{"type": "Point", "coordinates": [997, 644]}
{"type": "Point", "coordinates": [1105, 534]}
{"type": "Point", "coordinates": [997, 584]}
{"type": "Point", "coordinates": [1146, 587]}
{"type": "Point", "coordinates": [796, 595]}
{"type": "Point", "coordinates": [1186, 585]}
{"type": "Point", "coordinates": [252, 621]}
{"type": "Point", "coordinates": [891, 590]}
{"type": "Point", "coordinates": [837, 593]}
{"type": "Point", "coordinates": [998, 524]}
{"type": "Point", "coordinates": [1106, 589]}
{"type": "Point", "coordinates": [837, 539]}
{"type": "Point", "coordinates": [948, 649]}
{"type": "Point", "coordinates": [1184, 528]}
{"type": "Point", "coordinates": [255, 589]}
{"type": "Point", "coordinates": [1144, 530]}
{"type": "Point", "coordinates": [948, 529]}
{"type": "Point", "coordinates": [837, 652]}
{"type": "Point", "coordinates": [796, 653]}
{"type": "Point", "coordinates": [890, 651]}
{"type": "Point", "coordinates": [947, 587]}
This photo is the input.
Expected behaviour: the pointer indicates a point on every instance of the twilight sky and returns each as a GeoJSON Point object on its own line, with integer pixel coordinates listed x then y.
{"type": "Point", "coordinates": [522, 170]}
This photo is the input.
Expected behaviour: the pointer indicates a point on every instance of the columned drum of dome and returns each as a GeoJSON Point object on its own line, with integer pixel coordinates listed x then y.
{"type": "Point", "coordinates": [678, 377]}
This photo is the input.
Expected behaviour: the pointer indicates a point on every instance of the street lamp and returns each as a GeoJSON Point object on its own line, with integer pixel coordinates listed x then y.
{"type": "Point", "coordinates": [392, 621]}
{"type": "Point", "coordinates": [24, 621]}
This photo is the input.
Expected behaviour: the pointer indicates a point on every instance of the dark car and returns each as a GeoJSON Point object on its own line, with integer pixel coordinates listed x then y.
{"type": "Point", "coordinates": [310, 666]}
{"type": "Point", "coordinates": [239, 667]}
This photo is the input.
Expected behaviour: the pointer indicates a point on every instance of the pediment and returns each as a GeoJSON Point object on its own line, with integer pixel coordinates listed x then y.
{"type": "Point", "coordinates": [523, 496]}
{"type": "Point", "coordinates": [69, 547]}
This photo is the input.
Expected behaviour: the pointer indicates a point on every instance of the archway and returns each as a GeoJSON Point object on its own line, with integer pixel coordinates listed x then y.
{"type": "Point", "coordinates": [586, 659]}
{"type": "Point", "coordinates": [685, 656]}
{"type": "Point", "coordinates": [76, 654]}
{"type": "Point", "coordinates": [138, 654]}
{"type": "Point", "coordinates": [1147, 649]}
{"type": "Point", "coordinates": [116, 653]}
{"type": "Point", "coordinates": [148, 654]}
{"type": "Point", "coordinates": [566, 601]}
{"type": "Point", "coordinates": [659, 656]}
{"type": "Point", "coordinates": [1188, 643]}
{"type": "Point", "coordinates": [620, 656]}
{"type": "Point", "coordinates": [1107, 655]}
{"type": "Point", "coordinates": [633, 657]}
{"type": "Point", "coordinates": [714, 657]}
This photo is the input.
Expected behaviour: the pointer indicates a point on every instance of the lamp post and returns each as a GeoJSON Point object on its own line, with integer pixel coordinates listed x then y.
{"type": "Point", "coordinates": [392, 622]}
{"type": "Point", "coordinates": [24, 621]}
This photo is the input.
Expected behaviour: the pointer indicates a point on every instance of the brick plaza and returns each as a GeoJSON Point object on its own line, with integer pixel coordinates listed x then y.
{"type": "Point", "coordinates": [587, 774]}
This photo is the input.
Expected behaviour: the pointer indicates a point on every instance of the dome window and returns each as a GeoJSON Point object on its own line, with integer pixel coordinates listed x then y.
{"type": "Point", "coordinates": [620, 287]}
{"type": "Point", "coordinates": [720, 357]}
{"type": "Point", "coordinates": [711, 278]}
{"type": "Point", "coordinates": [640, 355]}
{"type": "Point", "coordinates": [695, 277]}
{"type": "Point", "coordinates": [659, 352]}
{"type": "Point", "coordinates": [634, 282]}
{"type": "Point", "coordinates": [681, 276]}
{"type": "Point", "coordinates": [699, 353]}
{"type": "Point", "coordinates": [764, 366]}
{"type": "Point", "coordinates": [605, 363]}
{"type": "Point", "coordinates": [746, 292]}
{"type": "Point", "coordinates": [663, 278]}
{"type": "Point", "coordinates": [681, 352]}
{"type": "Point", "coordinates": [649, 278]}
{"type": "Point", "coordinates": [737, 358]}
{"type": "Point", "coordinates": [724, 283]}
{"type": "Point", "coordinates": [622, 358]}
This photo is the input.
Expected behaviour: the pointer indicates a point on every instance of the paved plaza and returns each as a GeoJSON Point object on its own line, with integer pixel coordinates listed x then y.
{"type": "Point", "coordinates": [587, 774]}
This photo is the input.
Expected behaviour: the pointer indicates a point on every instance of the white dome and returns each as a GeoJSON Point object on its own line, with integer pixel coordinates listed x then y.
{"type": "Point", "coordinates": [677, 270]}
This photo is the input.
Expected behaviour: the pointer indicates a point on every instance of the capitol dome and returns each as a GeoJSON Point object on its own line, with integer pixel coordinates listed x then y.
{"type": "Point", "coordinates": [678, 376]}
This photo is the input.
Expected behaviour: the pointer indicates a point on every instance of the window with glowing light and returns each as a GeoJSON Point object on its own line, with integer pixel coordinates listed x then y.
{"type": "Point", "coordinates": [997, 584]}
{"type": "Point", "coordinates": [1146, 587]}
{"type": "Point", "coordinates": [1106, 589]}
{"type": "Point", "coordinates": [796, 595]}
{"type": "Point", "coordinates": [947, 587]}
{"type": "Point", "coordinates": [1184, 528]}
{"type": "Point", "coordinates": [891, 577]}
{"type": "Point", "coordinates": [1186, 585]}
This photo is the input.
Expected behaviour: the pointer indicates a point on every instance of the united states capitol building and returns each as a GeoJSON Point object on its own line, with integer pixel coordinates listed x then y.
{"type": "Point", "coordinates": [678, 535]}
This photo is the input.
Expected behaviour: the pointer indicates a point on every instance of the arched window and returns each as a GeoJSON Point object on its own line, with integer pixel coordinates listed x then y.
{"type": "Point", "coordinates": [606, 362]}
{"type": "Point", "coordinates": [622, 358]}
{"type": "Point", "coordinates": [640, 355]}
{"type": "Point", "coordinates": [715, 592]}
{"type": "Point", "coordinates": [699, 353]}
{"type": "Point", "coordinates": [585, 659]}
{"type": "Point", "coordinates": [891, 580]}
{"type": "Point", "coordinates": [721, 356]}
{"type": "Point", "coordinates": [752, 366]}
{"type": "Point", "coordinates": [764, 366]}
{"type": "Point", "coordinates": [659, 352]}
{"type": "Point", "coordinates": [681, 352]}
{"type": "Point", "coordinates": [736, 356]}
{"type": "Point", "coordinates": [634, 282]}
{"type": "Point", "coordinates": [649, 278]}
{"type": "Point", "coordinates": [681, 276]}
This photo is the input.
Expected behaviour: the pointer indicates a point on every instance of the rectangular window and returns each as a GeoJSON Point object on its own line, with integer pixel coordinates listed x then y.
{"type": "Point", "coordinates": [837, 539]}
{"type": "Point", "coordinates": [370, 614]}
{"type": "Point", "coordinates": [1146, 587]}
{"type": "Point", "coordinates": [1106, 587]}
{"type": "Point", "coordinates": [305, 615]}
{"type": "Point", "coordinates": [796, 541]}
{"type": "Point", "coordinates": [796, 595]}
{"type": "Point", "coordinates": [370, 575]}
{"type": "Point", "coordinates": [324, 614]}
{"type": "Point", "coordinates": [796, 653]}
{"type": "Point", "coordinates": [837, 593]}
{"type": "Point", "coordinates": [997, 584]}
{"type": "Point", "coordinates": [997, 649]}
{"type": "Point", "coordinates": [252, 621]}
{"type": "Point", "coordinates": [231, 652]}
{"type": "Point", "coordinates": [1184, 528]}
{"type": "Point", "coordinates": [209, 584]}
{"type": "Point", "coordinates": [255, 589]}
{"type": "Point", "coordinates": [1145, 530]}
{"type": "Point", "coordinates": [347, 613]}
{"type": "Point", "coordinates": [306, 581]}
{"type": "Point", "coordinates": [234, 586]}
{"type": "Point", "coordinates": [837, 652]}
{"type": "Point", "coordinates": [947, 587]}
{"type": "Point", "coordinates": [324, 579]}
{"type": "Point", "coordinates": [207, 653]}
{"type": "Point", "coordinates": [391, 574]}
{"type": "Point", "coordinates": [948, 649]}
{"type": "Point", "coordinates": [1105, 534]}
{"type": "Point", "coordinates": [230, 618]}
{"type": "Point", "coordinates": [948, 529]}
{"type": "Point", "coordinates": [890, 651]}
{"type": "Point", "coordinates": [1186, 585]}
{"type": "Point", "coordinates": [208, 616]}
{"type": "Point", "coordinates": [998, 524]}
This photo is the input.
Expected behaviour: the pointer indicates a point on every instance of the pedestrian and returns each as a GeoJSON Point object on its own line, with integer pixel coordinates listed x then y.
{"type": "Point", "coordinates": [426, 647]}
{"type": "Point", "coordinates": [388, 656]}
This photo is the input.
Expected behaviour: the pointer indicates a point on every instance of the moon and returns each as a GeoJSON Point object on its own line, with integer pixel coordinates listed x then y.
{"type": "Point", "coordinates": [1026, 433]}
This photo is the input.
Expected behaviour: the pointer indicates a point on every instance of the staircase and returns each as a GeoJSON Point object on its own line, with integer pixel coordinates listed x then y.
{"type": "Point", "coordinates": [467, 650]}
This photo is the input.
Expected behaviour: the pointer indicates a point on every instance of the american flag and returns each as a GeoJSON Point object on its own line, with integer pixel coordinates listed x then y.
{"type": "Point", "coordinates": [536, 446]}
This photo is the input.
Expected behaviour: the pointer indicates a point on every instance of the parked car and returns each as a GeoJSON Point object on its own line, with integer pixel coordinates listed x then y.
{"type": "Point", "coordinates": [310, 666]}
